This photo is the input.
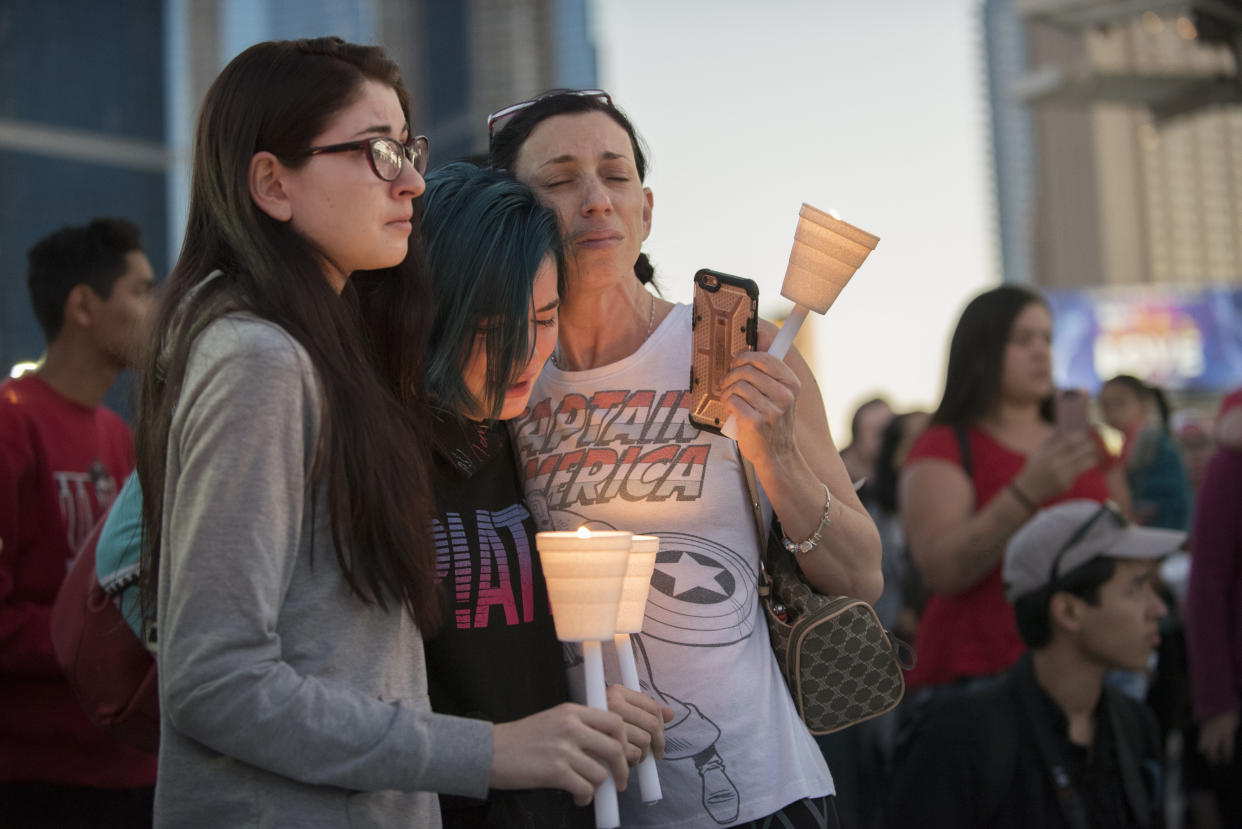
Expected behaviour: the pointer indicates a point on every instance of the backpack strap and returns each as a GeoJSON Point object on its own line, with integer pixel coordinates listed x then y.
{"type": "Point", "coordinates": [1069, 796]}
{"type": "Point", "coordinates": [968, 463]}
{"type": "Point", "coordinates": [963, 449]}
{"type": "Point", "coordinates": [1001, 759]}
{"type": "Point", "coordinates": [1125, 725]}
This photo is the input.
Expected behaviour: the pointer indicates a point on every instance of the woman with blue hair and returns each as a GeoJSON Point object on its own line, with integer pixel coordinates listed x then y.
{"type": "Point", "coordinates": [494, 254]}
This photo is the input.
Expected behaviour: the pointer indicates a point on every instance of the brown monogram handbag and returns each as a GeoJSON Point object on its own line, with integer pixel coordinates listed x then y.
{"type": "Point", "coordinates": [841, 665]}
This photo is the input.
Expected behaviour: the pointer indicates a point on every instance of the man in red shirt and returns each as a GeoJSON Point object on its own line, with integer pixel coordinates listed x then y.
{"type": "Point", "coordinates": [63, 457]}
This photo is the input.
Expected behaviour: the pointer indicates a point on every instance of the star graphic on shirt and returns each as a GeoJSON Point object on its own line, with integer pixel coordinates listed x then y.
{"type": "Point", "coordinates": [688, 573]}
{"type": "Point", "coordinates": [702, 593]}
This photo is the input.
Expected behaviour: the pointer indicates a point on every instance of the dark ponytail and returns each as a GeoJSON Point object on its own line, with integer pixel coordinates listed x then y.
{"type": "Point", "coordinates": [644, 270]}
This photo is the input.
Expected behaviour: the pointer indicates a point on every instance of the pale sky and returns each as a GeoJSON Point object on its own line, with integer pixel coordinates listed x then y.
{"type": "Point", "coordinates": [875, 110]}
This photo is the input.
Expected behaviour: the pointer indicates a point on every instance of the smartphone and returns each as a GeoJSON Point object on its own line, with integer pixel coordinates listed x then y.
{"type": "Point", "coordinates": [726, 313]}
{"type": "Point", "coordinates": [1070, 411]}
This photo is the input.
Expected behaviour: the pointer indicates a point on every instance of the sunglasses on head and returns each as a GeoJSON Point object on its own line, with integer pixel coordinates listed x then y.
{"type": "Point", "coordinates": [385, 154]}
{"type": "Point", "coordinates": [1106, 508]}
{"type": "Point", "coordinates": [512, 109]}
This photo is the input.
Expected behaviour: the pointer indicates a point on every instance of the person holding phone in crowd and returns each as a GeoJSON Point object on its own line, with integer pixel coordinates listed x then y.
{"type": "Point", "coordinates": [282, 452]}
{"type": "Point", "coordinates": [606, 442]}
{"type": "Point", "coordinates": [992, 457]}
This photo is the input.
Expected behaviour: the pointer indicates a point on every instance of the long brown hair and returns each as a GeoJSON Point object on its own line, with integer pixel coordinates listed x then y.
{"type": "Point", "coordinates": [976, 368]}
{"type": "Point", "coordinates": [366, 345]}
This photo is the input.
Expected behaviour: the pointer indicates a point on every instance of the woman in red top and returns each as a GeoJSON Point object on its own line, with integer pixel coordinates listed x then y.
{"type": "Point", "coordinates": [958, 512]}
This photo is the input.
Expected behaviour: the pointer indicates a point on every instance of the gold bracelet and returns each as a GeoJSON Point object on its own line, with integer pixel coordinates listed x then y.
{"type": "Point", "coordinates": [806, 546]}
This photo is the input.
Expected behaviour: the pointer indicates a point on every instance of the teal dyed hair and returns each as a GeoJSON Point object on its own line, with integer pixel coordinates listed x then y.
{"type": "Point", "coordinates": [486, 236]}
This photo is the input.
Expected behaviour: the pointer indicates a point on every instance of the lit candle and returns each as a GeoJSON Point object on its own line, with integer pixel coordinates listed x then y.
{"type": "Point", "coordinates": [585, 572]}
{"type": "Point", "coordinates": [630, 613]}
{"type": "Point", "coordinates": [826, 253]}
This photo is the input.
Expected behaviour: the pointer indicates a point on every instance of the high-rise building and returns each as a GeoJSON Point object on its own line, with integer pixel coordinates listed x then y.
{"type": "Point", "coordinates": [1127, 179]}
{"type": "Point", "coordinates": [1117, 139]}
{"type": "Point", "coordinates": [98, 101]}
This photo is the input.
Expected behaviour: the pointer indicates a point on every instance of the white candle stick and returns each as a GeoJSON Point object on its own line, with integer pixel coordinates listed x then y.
{"type": "Point", "coordinates": [607, 813]}
{"type": "Point", "coordinates": [785, 337]}
{"type": "Point", "coordinates": [826, 253]}
{"type": "Point", "coordinates": [585, 572]}
{"type": "Point", "coordinates": [630, 613]}
{"type": "Point", "coordinates": [648, 777]}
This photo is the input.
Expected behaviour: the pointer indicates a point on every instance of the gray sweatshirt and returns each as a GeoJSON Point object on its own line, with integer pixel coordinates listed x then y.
{"type": "Point", "coordinates": [285, 700]}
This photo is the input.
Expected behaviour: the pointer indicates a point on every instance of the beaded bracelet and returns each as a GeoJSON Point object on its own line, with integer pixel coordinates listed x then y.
{"type": "Point", "coordinates": [808, 545]}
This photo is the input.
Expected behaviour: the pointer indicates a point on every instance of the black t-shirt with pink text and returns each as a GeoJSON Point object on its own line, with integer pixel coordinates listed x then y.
{"type": "Point", "coordinates": [496, 656]}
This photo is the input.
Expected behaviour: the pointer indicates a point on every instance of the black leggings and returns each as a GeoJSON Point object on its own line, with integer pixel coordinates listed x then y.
{"type": "Point", "coordinates": [807, 813]}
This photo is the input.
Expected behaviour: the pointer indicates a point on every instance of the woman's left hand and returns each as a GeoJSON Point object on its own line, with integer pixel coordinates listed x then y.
{"type": "Point", "coordinates": [761, 392]}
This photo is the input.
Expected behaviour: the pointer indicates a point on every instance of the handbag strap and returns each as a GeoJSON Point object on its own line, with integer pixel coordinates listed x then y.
{"type": "Point", "coordinates": [752, 490]}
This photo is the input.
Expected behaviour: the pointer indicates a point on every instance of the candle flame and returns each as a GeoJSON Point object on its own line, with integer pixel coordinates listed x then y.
{"type": "Point", "coordinates": [583, 532]}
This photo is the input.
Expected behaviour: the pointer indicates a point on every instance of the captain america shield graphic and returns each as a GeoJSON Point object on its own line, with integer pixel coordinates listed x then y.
{"type": "Point", "coordinates": [702, 593]}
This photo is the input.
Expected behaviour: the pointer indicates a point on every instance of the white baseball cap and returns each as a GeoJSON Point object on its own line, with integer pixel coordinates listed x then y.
{"type": "Point", "coordinates": [1064, 537]}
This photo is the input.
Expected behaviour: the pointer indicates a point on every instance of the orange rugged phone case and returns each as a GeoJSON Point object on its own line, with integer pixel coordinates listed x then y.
{"type": "Point", "coordinates": [725, 313]}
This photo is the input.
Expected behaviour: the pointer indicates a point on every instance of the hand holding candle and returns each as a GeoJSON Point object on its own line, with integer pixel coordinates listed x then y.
{"type": "Point", "coordinates": [585, 572]}
{"type": "Point", "coordinates": [630, 613]}
{"type": "Point", "coordinates": [826, 253]}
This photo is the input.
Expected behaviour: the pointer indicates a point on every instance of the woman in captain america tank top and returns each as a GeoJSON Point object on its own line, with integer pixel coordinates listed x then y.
{"type": "Point", "coordinates": [607, 442]}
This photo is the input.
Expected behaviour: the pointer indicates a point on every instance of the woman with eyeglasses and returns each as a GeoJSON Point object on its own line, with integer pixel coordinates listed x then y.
{"type": "Point", "coordinates": [990, 460]}
{"type": "Point", "coordinates": [283, 452]}
{"type": "Point", "coordinates": [606, 442]}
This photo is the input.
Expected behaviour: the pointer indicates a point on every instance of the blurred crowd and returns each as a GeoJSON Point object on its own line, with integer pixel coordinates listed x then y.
{"type": "Point", "coordinates": [944, 586]}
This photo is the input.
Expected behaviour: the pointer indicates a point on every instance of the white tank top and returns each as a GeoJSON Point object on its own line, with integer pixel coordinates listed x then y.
{"type": "Point", "coordinates": [613, 448]}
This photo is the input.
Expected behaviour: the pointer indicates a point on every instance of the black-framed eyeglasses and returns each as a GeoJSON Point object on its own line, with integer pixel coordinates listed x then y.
{"type": "Point", "coordinates": [384, 153]}
{"type": "Point", "coordinates": [1106, 508]}
{"type": "Point", "coordinates": [512, 109]}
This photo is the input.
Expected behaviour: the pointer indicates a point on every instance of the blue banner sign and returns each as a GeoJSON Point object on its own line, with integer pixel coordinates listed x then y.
{"type": "Point", "coordinates": [1176, 339]}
